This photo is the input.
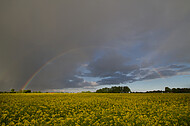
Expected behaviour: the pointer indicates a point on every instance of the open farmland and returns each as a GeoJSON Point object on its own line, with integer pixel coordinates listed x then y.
{"type": "Point", "coordinates": [94, 109]}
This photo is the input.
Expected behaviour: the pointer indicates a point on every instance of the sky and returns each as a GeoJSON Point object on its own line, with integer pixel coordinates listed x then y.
{"type": "Point", "coordinates": [74, 46]}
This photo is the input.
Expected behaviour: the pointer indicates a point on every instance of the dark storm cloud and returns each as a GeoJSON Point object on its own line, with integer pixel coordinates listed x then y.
{"type": "Point", "coordinates": [144, 33]}
{"type": "Point", "coordinates": [186, 69]}
{"type": "Point", "coordinates": [167, 73]}
{"type": "Point", "coordinates": [140, 75]}
{"type": "Point", "coordinates": [159, 74]}
{"type": "Point", "coordinates": [109, 64]}
{"type": "Point", "coordinates": [74, 82]}
{"type": "Point", "coordinates": [153, 75]}
{"type": "Point", "coordinates": [176, 66]}
{"type": "Point", "coordinates": [117, 79]}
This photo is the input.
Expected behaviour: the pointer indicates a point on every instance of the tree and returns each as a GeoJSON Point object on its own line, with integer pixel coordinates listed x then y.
{"type": "Point", "coordinates": [114, 90]}
{"type": "Point", "coordinates": [177, 90]}
{"type": "Point", "coordinates": [26, 91]}
{"type": "Point", "coordinates": [168, 90]}
{"type": "Point", "coordinates": [126, 89]}
{"type": "Point", "coordinates": [12, 90]}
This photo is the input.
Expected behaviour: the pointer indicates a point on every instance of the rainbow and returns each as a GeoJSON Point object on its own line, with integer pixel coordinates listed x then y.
{"type": "Point", "coordinates": [44, 66]}
{"type": "Point", "coordinates": [155, 70]}
{"type": "Point", "coordinates": [54, 58]}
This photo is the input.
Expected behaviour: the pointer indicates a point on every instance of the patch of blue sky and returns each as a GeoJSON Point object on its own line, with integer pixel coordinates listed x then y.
{"type": "Point", "coordinates": [180, 81]}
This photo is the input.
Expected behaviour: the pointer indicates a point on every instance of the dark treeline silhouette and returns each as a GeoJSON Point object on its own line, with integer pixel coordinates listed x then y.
{"type": "Point", "coordinates": [20, 91]}
{"type": "Point", "coordinates": [155, 91]}
{"type": "Point", "coordinates": [177, 90]}
{"type": "Point", "coordinates": [25, 91]}
{"type": "Point", "coordinates": [86, 92]}
{"type": "Point", "coordinates": [114, 90]}
{"type": "Point", "coordinates": [168, 90]}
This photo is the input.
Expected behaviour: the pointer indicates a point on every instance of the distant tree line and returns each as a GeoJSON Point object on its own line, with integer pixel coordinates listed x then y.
{"type": "Point", "coordinates": [168, 90]}
{"type": "Point", "coordinates": [20, 91]}
{"type": "Point", "coordinates": [115, 89]}
{"type": "Point", "coordinates": [155, 91]}
{"type": "Point", "coordinates": [86, 92]}
{"type": "Point", "coordinates": [177, 90]}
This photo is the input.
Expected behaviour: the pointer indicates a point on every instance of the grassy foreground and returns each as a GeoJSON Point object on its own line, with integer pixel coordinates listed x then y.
{"type": "Point", "coordinates": [94, 109]}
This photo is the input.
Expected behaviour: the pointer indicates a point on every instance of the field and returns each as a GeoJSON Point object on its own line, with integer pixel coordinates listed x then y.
{"type": "Point", "coordinates": [94, 109]}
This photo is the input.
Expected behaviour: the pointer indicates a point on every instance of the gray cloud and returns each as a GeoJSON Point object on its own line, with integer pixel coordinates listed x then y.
{"type": "Point", "coordinates": [176, 66]}
{"type": "Point", "coordinates": [117, 79]}
{"type": "Point", "coordinates": [131, 34]}
{"type": "Point", "coordinates": [186, 69]}
{"type": "Point", "coordinates": [167, 73]}
{"type": "Point", "coordinates": [142, 74]}
{"type": "Point", "coordinates": [153, 75]}
{"type": "Point", "coordinates": [109, 64]}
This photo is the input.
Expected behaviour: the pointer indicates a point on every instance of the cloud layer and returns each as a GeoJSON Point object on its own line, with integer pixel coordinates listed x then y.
{"type": "Point", "coordinates": [120, 41]}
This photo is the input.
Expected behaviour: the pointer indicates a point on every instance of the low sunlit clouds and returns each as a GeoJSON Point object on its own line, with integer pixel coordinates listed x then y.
{"type": "Point", "coordinates": [72, 46]}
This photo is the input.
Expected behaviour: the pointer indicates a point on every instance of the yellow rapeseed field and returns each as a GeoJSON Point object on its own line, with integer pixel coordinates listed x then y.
{"type": "Point", "coordinates": [94, 109]}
